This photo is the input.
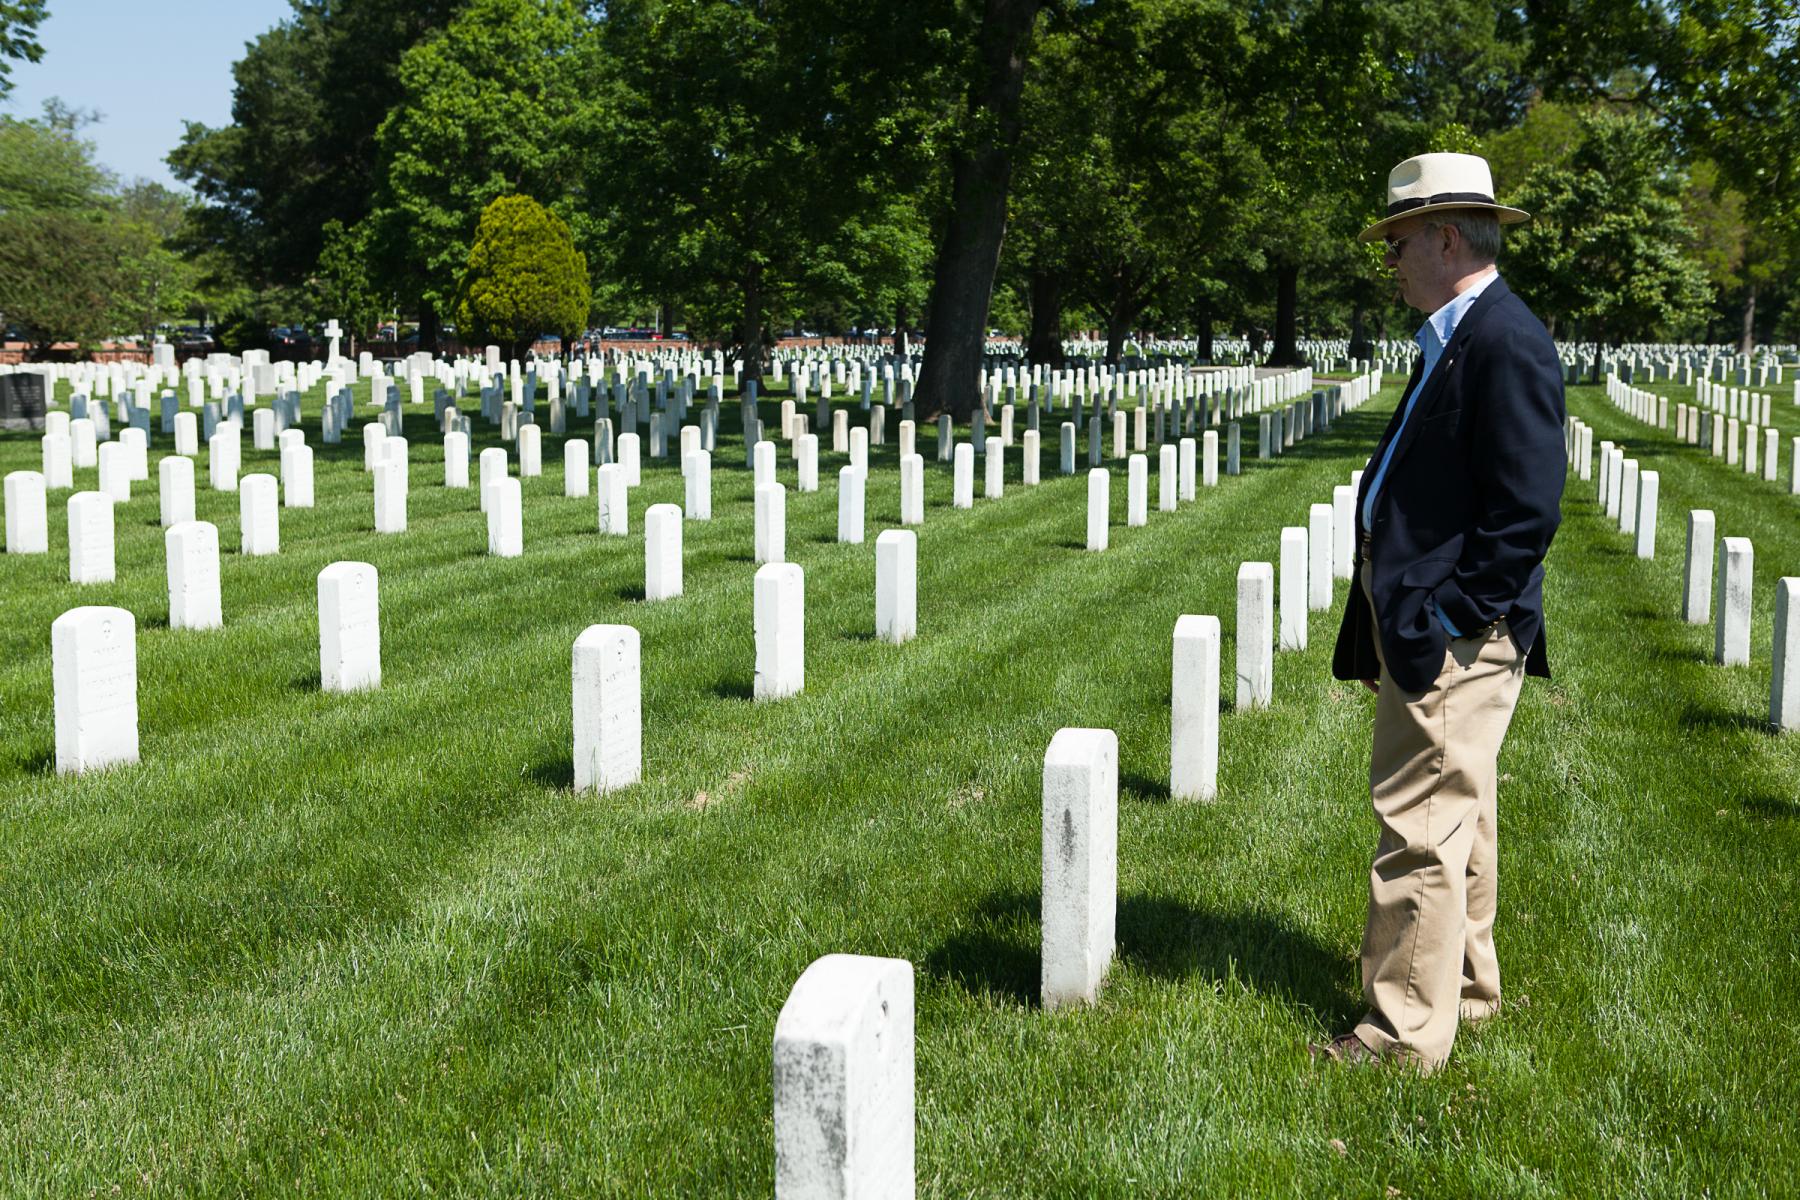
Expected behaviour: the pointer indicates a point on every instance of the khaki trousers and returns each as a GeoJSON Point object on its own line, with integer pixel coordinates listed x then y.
{"type": "Point", "coordinates": [1428, 947]}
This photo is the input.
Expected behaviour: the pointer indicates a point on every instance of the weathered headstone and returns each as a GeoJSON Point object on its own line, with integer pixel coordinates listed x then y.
{"type": "Point", "coordinates": [93, 670]}
{"type": "Point", "coordinates": [613, 499]}
{"type": "Point", "coordinates": [391, 495]}
{"type": "Point", "coordinates": [1696, 595]}
{"type": "Point", "coordinates": [806, 462]}
{"type": "Point", "coordinates": [83, 443]}
{"type": "Point", "coordinates": [763, 456]}
{"type": "Point", "coordinates": [1030, 457]}
{"type": "Point", "coordinates": [843, 1082]}
{"type": "Point", "coordinates": [852, 486]}
{"type": "Point", "coordinates": [1255, 635]}
{"type": "Point", "coordinates": [608, 708]}
{"type": "Point", "coordinates": [662, 552]}
{"type": "Point", "coordinates": [1736, 582]}
{"type": "Point", "coordinates": [1645, 521]}
{"type": "Point", "coordinates": [192, 552]}
{"type": "Point", "coordinates": [296, 475]}
{"type": "Point", "coordinates": [223, 451]}
{"type": "Point", "coordinates": [1784, 684]}
{"type": "Point", "coordinates": [492, 468]}
{"type": "Point", "coordinates": [1079, 897]}
{"type": "Point", "coordinates": [1293, 604]}
{"type": "Point", "coordinates": [575, 469]}
{"type": "Point", "coordinates": [505, 518]}
{"type": "Point", "coordinates": [912, 490]}
{"type": "Point", "coordinates": [90, 538]}
{"type": "Point", "coordinates": [896, 585]}
{"type": "Point", "coordinates": [1099, 507]}
{"type": "Point", "coordinates": [771, 523]}
{"type": "Point", "coordinates": [697, 485]}
{"type": "Point", "coordinates": [780, 619]}
{"type": "Point", "coordinates": [1320, 543]}
{"type": "Point", "coordinates": [1194, 710]}
{"type": "Point", "coordinates": [629, 459]}
{"type": "Point", "coordinates": [1137, 491]}
{"type": "Point", "coordinates": [349, 627]}
{"type": "Point", "coordinates": [259, 516]}
{"type": "Point", "coordinates": [58, 460]}
{"type": "Point", "coordinates": [994, 470]}
{"type": "Point", "coordinates": [27, 513]}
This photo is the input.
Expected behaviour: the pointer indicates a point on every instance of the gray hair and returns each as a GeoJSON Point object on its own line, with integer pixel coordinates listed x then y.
{"type": "Point", "coordinates": [1480, 231]}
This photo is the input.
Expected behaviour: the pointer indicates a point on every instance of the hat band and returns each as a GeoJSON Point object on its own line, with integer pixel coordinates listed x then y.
{"type": "Point", "coordinates": [1412, 202]}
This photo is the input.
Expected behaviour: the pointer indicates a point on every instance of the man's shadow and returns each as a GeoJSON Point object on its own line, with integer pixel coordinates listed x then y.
{"type": "Point", "coordinates": [998, 954]}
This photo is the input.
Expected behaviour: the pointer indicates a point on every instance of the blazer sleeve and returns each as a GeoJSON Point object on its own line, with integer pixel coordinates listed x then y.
{"type": "Point", "coordinates": [1517, 468]}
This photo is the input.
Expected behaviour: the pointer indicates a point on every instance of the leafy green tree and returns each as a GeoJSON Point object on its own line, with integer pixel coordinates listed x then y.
{"type": "Point", "coordinates": [524, 277]}
{"type": "Point", "coordinates": [759, 160]}
{"type": "Point", "coordinates": [61, 242]}
{"type": "Point", "coordinates": [157, 283]}
{"type": "Point", "coordinates": [490, 106]}
{"type": "Point", "coordinates": [1720, 76]}
{"type": "Point", "coordinates": [19, 20]}
{"type": "Point", "coordinates": [307, 99]}
{"type": "Point", "coordinates": [342, 287]}
{"type": "Point", "coordinates": [1607, 248]}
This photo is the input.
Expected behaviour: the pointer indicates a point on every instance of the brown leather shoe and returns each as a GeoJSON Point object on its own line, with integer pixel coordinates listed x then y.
{"type": "Point", "coordinates": [1346, 1048]}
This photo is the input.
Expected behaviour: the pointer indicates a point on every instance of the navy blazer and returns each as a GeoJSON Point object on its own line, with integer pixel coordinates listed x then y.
{"type": "Point", "coordinates": [1470, 503]}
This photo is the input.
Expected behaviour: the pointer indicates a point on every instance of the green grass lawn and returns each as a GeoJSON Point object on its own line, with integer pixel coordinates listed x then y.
{"type": "Point", "coordinates": [375, 945]}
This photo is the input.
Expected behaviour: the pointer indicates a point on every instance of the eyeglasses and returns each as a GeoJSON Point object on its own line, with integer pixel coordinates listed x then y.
{"type": "Point", "coordinates": [1396, 247]}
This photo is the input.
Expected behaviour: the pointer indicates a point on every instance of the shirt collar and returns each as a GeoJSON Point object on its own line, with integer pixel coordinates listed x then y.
{"type": "Point", "coordinates": [1435, 333]}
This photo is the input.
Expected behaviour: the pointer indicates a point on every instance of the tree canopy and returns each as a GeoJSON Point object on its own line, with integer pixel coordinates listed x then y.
{"type": "Point", "coordinates": [738, 166]}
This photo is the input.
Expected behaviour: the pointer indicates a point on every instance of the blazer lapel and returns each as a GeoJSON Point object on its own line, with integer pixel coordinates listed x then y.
{"type": "Point", "coordinates": [1409, 433]}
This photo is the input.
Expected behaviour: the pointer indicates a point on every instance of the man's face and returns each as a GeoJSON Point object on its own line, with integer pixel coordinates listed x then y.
{"type": "Point", "coordinates": [1415, 251]}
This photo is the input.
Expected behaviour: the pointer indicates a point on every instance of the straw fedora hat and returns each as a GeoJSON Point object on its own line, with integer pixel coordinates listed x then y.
{"type": "Point", "coordinates": [1429, 183]}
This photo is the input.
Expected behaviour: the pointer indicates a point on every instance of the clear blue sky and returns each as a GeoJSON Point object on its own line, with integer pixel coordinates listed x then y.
{"type": "Point", "coordinates": [146, 65]}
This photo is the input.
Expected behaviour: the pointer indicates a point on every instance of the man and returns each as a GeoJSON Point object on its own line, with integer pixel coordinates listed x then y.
{"type": "Point", "coordinates": [1455, 514]}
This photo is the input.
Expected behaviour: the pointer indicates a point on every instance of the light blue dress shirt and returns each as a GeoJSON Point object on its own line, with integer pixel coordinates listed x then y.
{"type": "Point", "coordinates": [1432, 337]}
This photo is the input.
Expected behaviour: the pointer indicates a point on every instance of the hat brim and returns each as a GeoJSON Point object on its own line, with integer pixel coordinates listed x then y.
{"type": "Point", "coordinates": [1508, 216]}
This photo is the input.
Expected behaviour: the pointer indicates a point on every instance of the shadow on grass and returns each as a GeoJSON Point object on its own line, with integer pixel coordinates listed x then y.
{"type": "Point", "coordinates": [43, 762]}
{"type": "Point", "coordinates": [1681, 654]}
{"type": "Point", "coordinates": [1727, 720]}
{"type": "Point", "coordinates": [998, 955]}
{"type": "Point", "coordinates": [1142, 787]}
{"type": "Point", "coordinates": [632, 593]}
{"type": "Point", "coordinates": [1784, 807]}
{"type": "Point", "coordinates": [552, 769]}
{"type": "Point", "coordinates": [312, 681]}
{"type": "Point", "coordinates": [736, 687]}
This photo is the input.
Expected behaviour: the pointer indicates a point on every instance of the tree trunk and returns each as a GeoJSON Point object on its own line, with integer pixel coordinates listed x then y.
{"type": "Point", "coordinates": [1747, 342]}
{"type": "Point", "coordinates": [666, 323]}
{"type": "Point", "coordinates": [963, 283]}
{"type": "Point", "coordinates": [752, 335]}
{"type": "Point", "coordinates": [1118, 324]}
{"type": "Point", "coordinates": [901, 337]}
{"type": "Point", "coordinates": [1203, 337]}
{"type": "Point", "coordinates": [429, 326]}
{"type": "Point", "coordinates": [1286, 352]}
{"type": "Point", "coordinates": [1360, 345]}
{"type": "Point", "coordinates": [1045, 346]}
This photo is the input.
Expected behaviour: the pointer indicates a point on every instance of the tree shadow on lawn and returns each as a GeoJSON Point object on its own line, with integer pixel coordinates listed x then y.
{"type": "Point", "coordinates": [1785, 807]}
{"type": "Point", "coordinates": [1169, 938]}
